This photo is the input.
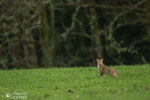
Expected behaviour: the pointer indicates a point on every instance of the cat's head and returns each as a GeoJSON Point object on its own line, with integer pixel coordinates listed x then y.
{"type": "Point", "coordinates": [99, 61]}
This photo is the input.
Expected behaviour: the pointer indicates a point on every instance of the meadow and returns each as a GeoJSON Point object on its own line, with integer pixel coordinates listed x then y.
{"type": "Point", "coordinates": [83, 83]}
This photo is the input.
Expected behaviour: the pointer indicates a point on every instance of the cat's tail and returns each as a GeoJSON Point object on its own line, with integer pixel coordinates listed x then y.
{"type": "Point", "coordinates": [115, 75]}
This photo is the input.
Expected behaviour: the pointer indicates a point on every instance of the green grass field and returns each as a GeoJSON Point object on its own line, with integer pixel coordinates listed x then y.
{"type": "Point", "coordinates": [133, 83]}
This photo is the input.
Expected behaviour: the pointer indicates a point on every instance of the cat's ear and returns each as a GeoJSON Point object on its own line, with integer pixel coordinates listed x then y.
{"type": "Point", "coordinates": [97, 59]}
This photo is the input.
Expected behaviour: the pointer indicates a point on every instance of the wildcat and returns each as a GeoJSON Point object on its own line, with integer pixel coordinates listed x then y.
{"type": "Point", "coordinates": [103, 69]}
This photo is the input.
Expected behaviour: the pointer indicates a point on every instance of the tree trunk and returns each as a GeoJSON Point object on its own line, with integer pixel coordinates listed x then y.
{"type": "Point", "coordinates": [95, 31]}
{"type": "Point", "coordinates": [53, 34]}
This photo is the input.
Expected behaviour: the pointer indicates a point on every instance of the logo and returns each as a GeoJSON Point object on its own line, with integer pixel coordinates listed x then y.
{"type": "Point", "coordinates": [8, 95]}
{"type": "Point", "coordinates": [17, 95]}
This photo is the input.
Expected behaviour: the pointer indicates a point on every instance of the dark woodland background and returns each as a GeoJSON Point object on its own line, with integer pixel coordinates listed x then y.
{"type": "Point", "coordinates": [49, 33]}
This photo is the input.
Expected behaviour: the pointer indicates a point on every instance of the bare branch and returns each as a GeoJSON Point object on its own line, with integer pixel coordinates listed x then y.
{"type": "Point", "coordinates": [72, 24]}
{"type": "Point", "coordinates": [111, 25]}
{"type": "Point", "coordinates": [99, 6]}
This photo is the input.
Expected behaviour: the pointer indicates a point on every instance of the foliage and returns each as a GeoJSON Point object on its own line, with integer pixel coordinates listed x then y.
{"type": "Point", "coordinates": [47, 33]}
{"type": "Point", "coordinates": [77, 83]}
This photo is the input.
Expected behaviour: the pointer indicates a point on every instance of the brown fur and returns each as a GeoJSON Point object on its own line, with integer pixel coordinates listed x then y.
{"type": "Point", "coordinates": [103, 69]}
